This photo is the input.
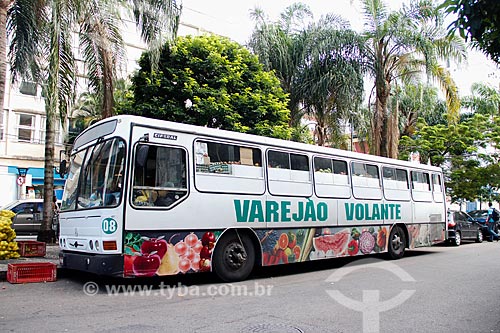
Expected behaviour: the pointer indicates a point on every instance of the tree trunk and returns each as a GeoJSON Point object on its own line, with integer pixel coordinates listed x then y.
{"type": "Point", "coordinates": [393, 133]}
{"type": "Point", "coordinates": [107, 84]}
{"type": "Point", "coordinates": [46, 233]}
{"type": "Point", "coordinates": [379, 130]}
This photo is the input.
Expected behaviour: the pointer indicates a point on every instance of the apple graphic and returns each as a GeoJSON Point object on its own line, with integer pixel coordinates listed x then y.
{"type": "Point", "coordinates": [154, 244]}
{"type": "Point", "coordinates": [146, 264]}
{"type": "Point", "coordinates": [208, 237]}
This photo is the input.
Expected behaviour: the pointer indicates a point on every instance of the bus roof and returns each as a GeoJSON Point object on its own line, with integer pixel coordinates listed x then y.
{"type": "Point", "coordinates": [129, 120]}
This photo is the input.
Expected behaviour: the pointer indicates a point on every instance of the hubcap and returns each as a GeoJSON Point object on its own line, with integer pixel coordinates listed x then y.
{"type": "Point", "coordinates": [396, 242]}
{"type": "Point", "coordinates": [235, 256]}
{"type": "Point", "coordinates": [457, 238]}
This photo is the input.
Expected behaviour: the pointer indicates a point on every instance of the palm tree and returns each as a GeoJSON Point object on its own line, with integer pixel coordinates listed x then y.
{"type": "Point", "coordinates": [402, 44]}
{"type": "Point", "coordinates": [41, 50]}
{"type": "Point", "coordinates": [4, 7]}
{"type": "Point", "coordinates": [279, 48]}
{"type": "Point", "coordinates": [484, 99]}
{"type": "Point", "coordinates": [319, 65]}
{"type": "Point", "coordinates": [330, 81]}
{"type": "Point", "coordinates": [157, 22]}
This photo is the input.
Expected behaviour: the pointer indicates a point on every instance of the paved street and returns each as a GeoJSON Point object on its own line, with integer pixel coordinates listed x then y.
{"type": "Point", "coordinates": [438, 289]}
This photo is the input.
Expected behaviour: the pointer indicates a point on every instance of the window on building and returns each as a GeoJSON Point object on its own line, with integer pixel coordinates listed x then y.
{"type": "Point", "coordinates": [28, 88]}
{"type": "Point", "coordinates": [2, 125]}
{"type": "Point", "coordinates": [58, 139]}
{"type": "Point", "coordinates": [25, 127]}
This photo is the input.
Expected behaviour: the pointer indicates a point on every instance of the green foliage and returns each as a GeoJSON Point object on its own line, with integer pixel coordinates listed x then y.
{"type": "Point", "coordinates": [211, 81]}
{"type": "Point", "coordinates": [467, 152]}
{"type": "Point", "coordinates": [319, 64]}
{"type": "Point", "coordinates": [478, 21]}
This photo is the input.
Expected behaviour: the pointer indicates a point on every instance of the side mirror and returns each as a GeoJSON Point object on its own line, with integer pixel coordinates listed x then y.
{"type": "Point", "coordinates": [63, 169]}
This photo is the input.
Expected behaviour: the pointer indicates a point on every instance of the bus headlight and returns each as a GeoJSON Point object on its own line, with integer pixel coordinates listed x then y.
{"type": "Point", "coordinates": [91, 244]}
{"type": "Point", "coordinates": [97, 245]}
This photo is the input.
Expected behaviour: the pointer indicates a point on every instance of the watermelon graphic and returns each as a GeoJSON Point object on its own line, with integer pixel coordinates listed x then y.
{"type": "Point", "coordinates": [336, 243]}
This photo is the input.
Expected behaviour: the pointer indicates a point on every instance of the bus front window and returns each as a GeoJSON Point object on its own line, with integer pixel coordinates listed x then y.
{"type": "Point", "coordinates": [70, 191]}
{"type": "Point", "coordinates": [95, 177]}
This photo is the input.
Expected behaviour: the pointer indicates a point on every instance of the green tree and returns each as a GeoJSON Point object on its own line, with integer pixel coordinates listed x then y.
{"type": "Point", "coordinates": [401, 44]}
{"type": "Point", "coordinates": [484, 99]}
{"type": "Point", "coordinates": [467, 152]}
{"type": "Point", "coordinates": [413, 101]}
{"type": "Point", "coordinates": [211, 81]}
{"type": "Point", "coordinates": [280, 48]}
{"type": "Point", "coordinates": [478, 21]}
{"type": "Point", "coordinates": [102, 45]}
{"type": "Point", "coordinates": [330, 82]}
{"type": "Point", "coordinates": [41, 50]}
{"type": "Point", "coordinates": [4, 7]}
{"type": "Point", "coordinates": [318, 64]}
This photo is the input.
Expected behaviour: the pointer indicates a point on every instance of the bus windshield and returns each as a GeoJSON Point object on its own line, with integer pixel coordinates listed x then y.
{"type": "Point", "coordinates": [95, 177]}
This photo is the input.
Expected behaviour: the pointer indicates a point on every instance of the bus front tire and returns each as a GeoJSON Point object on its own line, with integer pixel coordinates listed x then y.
{"type": "Point", "coordinates": [397, 243]}
{"type": "Point", "coordinates": [234, 257]}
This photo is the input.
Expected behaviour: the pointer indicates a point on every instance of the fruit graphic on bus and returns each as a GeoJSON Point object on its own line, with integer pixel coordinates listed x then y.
{"type": "Point", "coordinates": [208, 238]}
{"type": "Point", "coordinates": [146, 264]}
{"type": "Point", "coordinates": [154, 244]}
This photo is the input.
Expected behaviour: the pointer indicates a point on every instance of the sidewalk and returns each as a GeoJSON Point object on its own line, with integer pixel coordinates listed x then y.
{"type": "Point", "coordinates": [51, 255]}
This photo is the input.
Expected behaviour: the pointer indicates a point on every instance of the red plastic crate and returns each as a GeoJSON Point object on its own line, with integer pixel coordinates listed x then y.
{"type": "Point", "coordinates": [31, 272]}
{"type": "Point", "coordinates": [31, 248]}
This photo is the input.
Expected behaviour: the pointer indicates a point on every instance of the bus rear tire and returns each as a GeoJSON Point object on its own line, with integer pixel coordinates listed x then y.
{"type": "Point", "coordinates": [234, 257]}
{"type": "Point", "coordinates": [397, 243]}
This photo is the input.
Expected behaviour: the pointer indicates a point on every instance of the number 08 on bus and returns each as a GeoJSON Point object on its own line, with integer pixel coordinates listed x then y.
{"type": "Point", "coordinates": [147, 197]}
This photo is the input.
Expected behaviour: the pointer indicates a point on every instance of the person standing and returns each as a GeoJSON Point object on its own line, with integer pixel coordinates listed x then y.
{"type": "Point", "coordinates": [492, 219]}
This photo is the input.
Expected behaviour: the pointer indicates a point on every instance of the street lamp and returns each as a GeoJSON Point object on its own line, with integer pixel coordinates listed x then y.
{"type": "Point", "coordinates": [22, 171]}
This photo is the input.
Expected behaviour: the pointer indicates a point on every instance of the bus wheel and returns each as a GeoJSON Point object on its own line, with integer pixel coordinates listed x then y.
{"type": "Point", "coordinates": [234, 257]}
{"type": "Point", "coordinates": [397, 243]}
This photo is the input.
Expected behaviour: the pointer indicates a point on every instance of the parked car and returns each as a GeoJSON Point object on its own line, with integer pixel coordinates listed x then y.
{"type": "Point", "coordinates": [463, 226]}
{"type": "Point", "coordinates": [29, 215]}
{"type": "Point", "coordinates": [481, 215]}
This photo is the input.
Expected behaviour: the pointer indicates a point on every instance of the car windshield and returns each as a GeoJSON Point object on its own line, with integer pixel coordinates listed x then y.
{"type": "Point", "coordinates": [478, 213]}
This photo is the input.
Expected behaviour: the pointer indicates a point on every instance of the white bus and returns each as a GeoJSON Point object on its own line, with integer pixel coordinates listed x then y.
{"type": "Point", "coordinates": [148, 197]}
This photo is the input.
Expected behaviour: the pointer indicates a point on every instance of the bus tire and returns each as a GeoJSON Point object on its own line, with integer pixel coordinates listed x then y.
{"type": "Point", "coordinates": [234, 257]}
{"type": "Point", "coordinates": [397, 243]}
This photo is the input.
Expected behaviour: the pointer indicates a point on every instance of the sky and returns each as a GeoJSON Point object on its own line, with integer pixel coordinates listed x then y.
{"type": "Point", "coordinates": [231, 18]}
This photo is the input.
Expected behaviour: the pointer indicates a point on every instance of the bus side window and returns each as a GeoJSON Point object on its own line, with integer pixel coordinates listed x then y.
{"type": "Point", "coordinates": [159, 170]}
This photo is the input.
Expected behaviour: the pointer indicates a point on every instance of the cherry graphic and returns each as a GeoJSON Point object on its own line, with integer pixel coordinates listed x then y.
{"type": "Point", "coordinates": [208, 237]}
